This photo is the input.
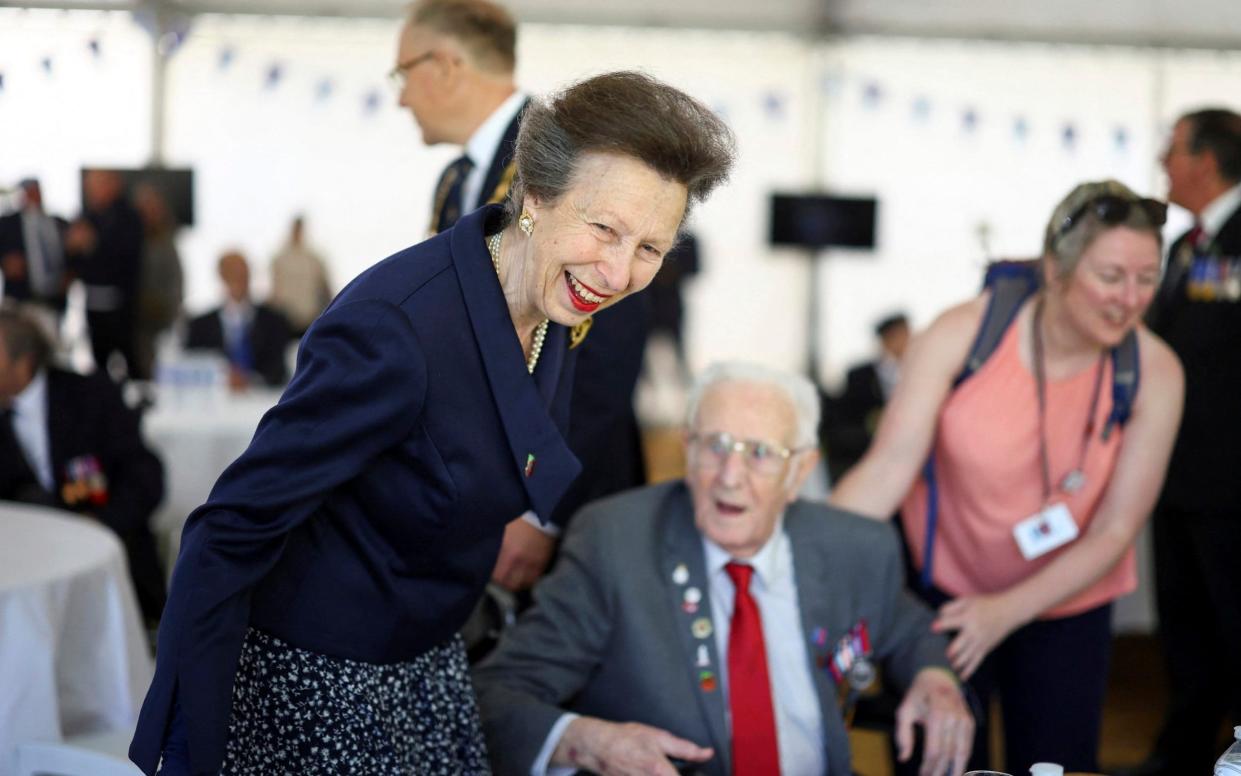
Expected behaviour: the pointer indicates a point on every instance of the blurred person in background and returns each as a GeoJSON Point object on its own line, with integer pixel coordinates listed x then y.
{"type": "Point", "coordinates": [251, 335]}
{"type": "Point", "coordinates": [312, 621]}
{"type": "Point", "coordinates": [68, 441]}
{"type": "Point", "coordinates": [161, 283]}
{"type": "Point", "coordinates": [853, 417]}
{"type": "Point", "coordinates": [1197, 524]}
{"type": "Point", "coordinates": [300, 288]}
{"type": "Point", "coordinates": [1040, 487]}
{"type": "Point", "coordinates": [105, 249]}
{"type": "Point", "coordinates": [455, 73]}
{"type": "Point", "coordinates": [32, 253]}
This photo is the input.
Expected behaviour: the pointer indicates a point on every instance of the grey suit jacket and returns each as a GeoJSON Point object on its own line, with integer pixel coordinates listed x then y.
{"type": "Point", "coordinates": [607, 636]}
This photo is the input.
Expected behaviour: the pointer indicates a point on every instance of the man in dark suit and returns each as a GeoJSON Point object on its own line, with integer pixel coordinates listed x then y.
{"type": "Point", "coordinates": [851, 424]}
{"type": "Point", "coordinates": [105, 250]}
{"type": "Point", "coordinates": [253, 337]}
{"type": "Point", "coordinates": [70, 442]}
{"type": "Point", "coordinates": [32, 252]}
{"type": "Point", "coordinates": [1197, 521]}
{"type": "Point", "coordinates": [717, 620]}
{"type": "Point", "coordinates": [455, 71]}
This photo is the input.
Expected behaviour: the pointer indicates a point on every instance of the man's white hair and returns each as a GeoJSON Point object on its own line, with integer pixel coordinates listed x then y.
{"type": "Point", "coordinates": [799, 391]}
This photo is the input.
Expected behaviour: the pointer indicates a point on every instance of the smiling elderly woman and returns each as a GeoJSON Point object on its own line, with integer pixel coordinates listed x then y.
{"type": "Point", "coordinates": [1027, 536]}
{"type": "Point", "coordinates": [312, 619]}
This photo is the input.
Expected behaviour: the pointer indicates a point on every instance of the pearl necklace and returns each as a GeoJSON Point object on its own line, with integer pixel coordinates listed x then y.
{"type": "Point", "coordinates": [540, 331]}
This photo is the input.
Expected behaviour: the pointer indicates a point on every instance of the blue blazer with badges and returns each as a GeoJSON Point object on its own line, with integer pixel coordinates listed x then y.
{"type": "Point", "coordinates": [365, 518]}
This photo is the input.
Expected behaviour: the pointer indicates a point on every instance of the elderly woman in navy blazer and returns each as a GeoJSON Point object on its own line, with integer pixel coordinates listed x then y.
{"type": "Point", "coordinates": [312, 618]}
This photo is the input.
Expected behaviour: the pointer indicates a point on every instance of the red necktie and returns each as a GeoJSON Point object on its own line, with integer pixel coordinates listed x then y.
{"type": "Point", "coordinates": [749, 690]}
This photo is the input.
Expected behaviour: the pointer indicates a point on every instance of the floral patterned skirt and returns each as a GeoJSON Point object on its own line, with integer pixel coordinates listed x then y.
{"type": "Point", "coordinates": [299, 712]}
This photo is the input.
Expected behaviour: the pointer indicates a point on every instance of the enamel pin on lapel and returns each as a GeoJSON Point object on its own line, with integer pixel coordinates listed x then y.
{"type": "Point", "coordinates": [701, 628]}
{"type": "Point", "coordinates": [706, 680]}
{"type": "Point", "coordinates": [680, 574]}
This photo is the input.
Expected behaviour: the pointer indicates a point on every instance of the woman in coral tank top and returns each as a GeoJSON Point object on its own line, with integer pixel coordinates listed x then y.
{"type": "Point", "coordinates": [1038, 496]}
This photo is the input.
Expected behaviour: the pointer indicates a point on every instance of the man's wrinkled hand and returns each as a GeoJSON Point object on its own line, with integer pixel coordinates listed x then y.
{"type": "Point", "coordinates": [625, 749]}
{"type": "Point", "coordinates": [934, 701]}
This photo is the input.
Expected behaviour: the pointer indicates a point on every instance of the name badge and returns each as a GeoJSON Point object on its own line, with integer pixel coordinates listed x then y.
{"type": "Point", "coordinates": [1045, 530]}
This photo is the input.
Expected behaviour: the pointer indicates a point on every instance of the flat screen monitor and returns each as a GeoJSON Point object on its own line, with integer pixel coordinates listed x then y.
{"type": "Point", "coordinates": [177, 187]}
{"type": "Point", "coordinates": [822, 221]}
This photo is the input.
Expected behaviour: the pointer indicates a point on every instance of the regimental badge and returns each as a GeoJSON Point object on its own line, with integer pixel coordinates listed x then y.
{"type": "Point", "coordinates": [577, 335]}
{"type": "Point", "coordinates": [706, 680]}
{"type": "Point", "coordinates": [701, 628]}
{"type": "Point", "coordinates": [680, 574]}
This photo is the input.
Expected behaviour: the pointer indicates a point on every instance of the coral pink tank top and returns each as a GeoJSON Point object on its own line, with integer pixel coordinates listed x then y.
{"type": "Point", "coordinates": [989, 474]}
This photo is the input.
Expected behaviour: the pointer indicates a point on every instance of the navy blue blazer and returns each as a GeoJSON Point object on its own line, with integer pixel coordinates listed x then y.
{"type": "Point", "coordinates": [365, 518]}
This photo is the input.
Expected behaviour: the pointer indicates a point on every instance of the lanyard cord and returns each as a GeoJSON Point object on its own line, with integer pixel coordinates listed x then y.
{"type": "Point", "coordinates": [1040, 379]}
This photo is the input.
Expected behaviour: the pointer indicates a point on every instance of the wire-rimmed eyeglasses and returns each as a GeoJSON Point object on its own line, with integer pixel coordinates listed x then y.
{"type": "Point", "coordinates": [712, 452]}
{"type": "Point", "coordinates": [398, 74]}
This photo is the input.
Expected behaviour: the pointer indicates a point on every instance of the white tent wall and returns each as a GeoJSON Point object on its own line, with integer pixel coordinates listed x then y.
{"type": "Point", "coordinates": [63, 106]}
{"type": "Point", "coordinates": [877, 116]}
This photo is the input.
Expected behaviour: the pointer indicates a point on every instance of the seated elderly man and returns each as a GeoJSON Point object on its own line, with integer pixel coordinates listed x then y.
{"type": "Point", "coordinates": [68, 441]}
{"type": "Point", "coordinates": [717, 625]}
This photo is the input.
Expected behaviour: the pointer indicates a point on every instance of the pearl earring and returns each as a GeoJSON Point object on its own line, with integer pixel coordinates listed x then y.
{"type": "Point", "coordinates": [526, 223]}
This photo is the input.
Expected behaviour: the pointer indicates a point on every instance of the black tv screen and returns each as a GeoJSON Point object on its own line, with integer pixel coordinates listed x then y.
{"type": "Point", "coordinates": [177, 186]}
{"type": "Point", "coordinates": [822, 221]}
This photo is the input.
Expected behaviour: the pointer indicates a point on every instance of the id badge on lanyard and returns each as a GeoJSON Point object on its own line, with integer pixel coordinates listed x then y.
{"type": "Point", "coordinates": [1051, 527]}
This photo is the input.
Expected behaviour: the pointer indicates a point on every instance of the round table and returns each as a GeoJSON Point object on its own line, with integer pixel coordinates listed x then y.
{"type": "Point", "coordinates": [73, 653]}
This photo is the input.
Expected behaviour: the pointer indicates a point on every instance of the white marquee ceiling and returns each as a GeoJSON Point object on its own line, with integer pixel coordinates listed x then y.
{"type": "Point", "coordinates": [1188, 23]}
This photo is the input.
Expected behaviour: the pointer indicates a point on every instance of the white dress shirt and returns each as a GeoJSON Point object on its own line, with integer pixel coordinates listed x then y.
{"type": "Point", "coordinates": [483, 145]}
{"type": "Point", "coordinates": [44, 256]}
{"type": "Point", "coordinates": [1216, 214]}
{"type": "Point", "coordinates": [799, 720]}
{"type": "Point", "coordinates": [30, 428]}
{"type": "Point", "coordinates": [888, 369]}
{"type": "Point", "coordinates": [235, 318]}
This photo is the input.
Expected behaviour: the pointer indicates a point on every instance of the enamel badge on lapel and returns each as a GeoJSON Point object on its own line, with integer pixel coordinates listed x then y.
{"type": "Point", "coordinates": [701, 628]}
{"type": "Point", "coordinates": [680, 574]}
{"type": "Point", "coordinates": [529, 464]}
{"type": "Point", "coordinates": [578, 333]}
{"type": "Point", "coordinates": [693, 596]}
{"type": "Point", "coordinates": [706, 680]}
{"type": "Point", "coordinates": [704, 656]}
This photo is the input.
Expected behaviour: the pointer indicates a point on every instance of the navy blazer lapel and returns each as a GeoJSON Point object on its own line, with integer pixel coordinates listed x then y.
{"type": "Point", "coordinates": [824, 620]}
{"type": "Point", "coordinates": [541, 457]}
{"type": "Point", "coordinates": [683, 559]}
{"type": "Point", "coordinates": [499, 176]}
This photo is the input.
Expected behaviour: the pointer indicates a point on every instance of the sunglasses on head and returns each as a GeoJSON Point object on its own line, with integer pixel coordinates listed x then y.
{"type": "Point", "coordinates": [1113, 209]}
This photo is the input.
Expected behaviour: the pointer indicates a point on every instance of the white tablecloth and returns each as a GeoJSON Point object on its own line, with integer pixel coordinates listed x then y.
{"type": "Point", "coordinates": [73, 654]}
{"type": "Point", "coordinates": [197, 436]}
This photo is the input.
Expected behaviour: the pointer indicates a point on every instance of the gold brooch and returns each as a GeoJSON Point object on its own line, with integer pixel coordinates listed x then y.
{"type": "Point", "coordinates": [578, 333]}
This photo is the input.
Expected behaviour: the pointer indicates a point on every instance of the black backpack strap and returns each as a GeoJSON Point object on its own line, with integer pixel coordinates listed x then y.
{"type": "Point", "coordinates": [1126, 375]}
{"type": "Point", "coordinates": [1011, 283]}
